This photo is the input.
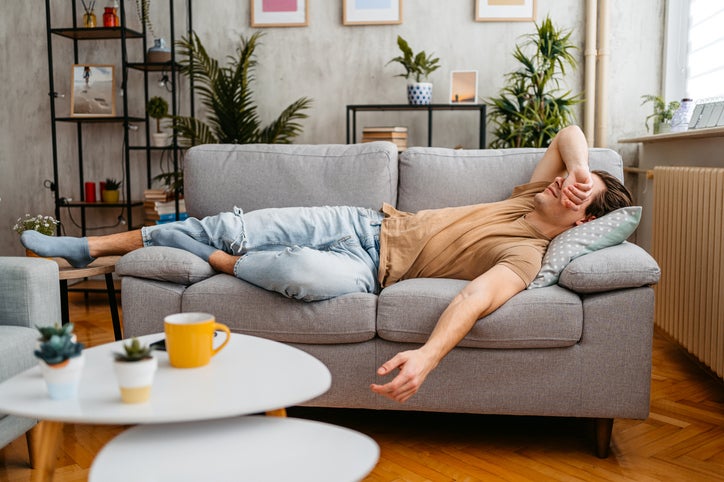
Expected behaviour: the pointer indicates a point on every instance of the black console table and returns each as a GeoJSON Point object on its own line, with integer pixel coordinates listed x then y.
{"type": "Point", "coordinates": [353, 109]}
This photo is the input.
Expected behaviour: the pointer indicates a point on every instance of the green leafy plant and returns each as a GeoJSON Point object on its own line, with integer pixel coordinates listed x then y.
{"type": "Point", "coordinates": [532, 108]}
{"type": "Point", "coordinates": [40, 223]}
{"type": "Point", "coordinates": [226, 92]}
{"type": "Point", "coordinates": [417, 66]}
{"type": "Point", "coordinates": [112, 184]}
{"type": "Point", "coordinates": [59, 346]}
{"type": "Point", "coordinates": [663, 112]}
{"type": "Point", "coordinates": [134, 351]}
{"type": "Point", "coordinates": [142, 8]}
{"type": "Point", "coordinates": [157, 108]}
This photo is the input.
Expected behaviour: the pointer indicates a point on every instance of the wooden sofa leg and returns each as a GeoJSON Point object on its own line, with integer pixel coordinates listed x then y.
{"type": "Point", "coordinates": [604, 427]}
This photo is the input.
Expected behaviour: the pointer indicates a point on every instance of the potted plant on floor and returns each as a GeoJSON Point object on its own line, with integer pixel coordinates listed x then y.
{"type": "Point", "coordinates": [110, 192]}
{"type": "Point", "coordinates": [135, 369]}
{"type": "Point", "coordinates": [417, 69]}
{"type": "Point", "coordinates": [663, 113]}
{"type": "Point", "coordinates": [43, 224]}
{"type": "Point", "coordinates": [61, 360]}
{"type": "Point", "coordinates": [157, 108]}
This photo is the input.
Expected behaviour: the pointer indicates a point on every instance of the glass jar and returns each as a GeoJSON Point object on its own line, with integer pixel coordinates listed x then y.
{"type": "Point", "coordinates": [89, 20]}
{"type": "Point", "coordinates": [681, 118]}
{"type": "Point", "coordinates": [110, 16]}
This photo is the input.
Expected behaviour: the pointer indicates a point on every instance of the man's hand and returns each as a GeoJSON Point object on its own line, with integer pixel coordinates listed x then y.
{"type": "Point", "coordinates": [414, 367]}
{"type": "Point", "coordinates": [576, 188]}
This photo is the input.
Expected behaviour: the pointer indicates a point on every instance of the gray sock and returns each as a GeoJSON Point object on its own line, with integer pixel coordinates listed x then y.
{"type": "Point", "coordinates": [176, 239]}
{"type": "Point", "coordinates": [73, 250]}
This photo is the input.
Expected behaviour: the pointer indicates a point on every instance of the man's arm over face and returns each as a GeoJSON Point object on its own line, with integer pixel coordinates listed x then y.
{"type": "Point", "coordinates": [480, 297]}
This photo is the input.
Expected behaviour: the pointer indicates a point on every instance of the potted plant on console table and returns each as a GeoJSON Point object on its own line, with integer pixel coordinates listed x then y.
{"type": "Point", "coordinates": [417, 69]}
{"type": "Point", "coordinates": [61, 360]}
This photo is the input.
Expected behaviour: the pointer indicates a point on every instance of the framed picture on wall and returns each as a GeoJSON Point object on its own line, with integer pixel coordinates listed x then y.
{"type": "Point", "coordinates": [505, 10]}
{"type": "Point", "coordinates": [93, 93]}
{"type": "Point", "coordinates": [463, 86]}
{"type": "Point", "coordinates": [279, 13]}
{"type": "Point", "coordinates": [371, 12]}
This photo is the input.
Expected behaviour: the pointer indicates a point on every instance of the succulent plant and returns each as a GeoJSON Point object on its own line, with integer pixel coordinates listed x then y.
{"type": "Point", "coordinates": [57, 344]}
{"type": "Point", "coordinates": [134, 351]}
{"type": "Point", "coordinates": [112, 184]}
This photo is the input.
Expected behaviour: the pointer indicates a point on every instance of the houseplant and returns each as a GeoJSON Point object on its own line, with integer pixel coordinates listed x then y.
{"type": "Point", "coordinates": [417, 69]}
{"type": "Point", "coordinates": [663, 113]}
{"type": "Point", "coordinates": [532, 107]}
{"type": "Point", "coordinates": [61, 360]}
{"type": "Point", "coordinates": [157, 108]}
{"type": "Point", "coordinates": [40, 223]}
{"type": "Point", "coordinates": [110, 192]}
{"type": "Point", "coordinates": [226, 92]}
{"type": "Point", "coordinates": [134, 369]}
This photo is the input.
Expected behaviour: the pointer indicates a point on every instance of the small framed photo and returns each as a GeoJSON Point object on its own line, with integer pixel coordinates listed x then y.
{"type": "Point", "coordinates": [505, 10]}
{"type": "Point", "coordinates": [463, 86]}
{"type": "Point", "coordinates": [279, 13]}
{"type": "Point", "coordinates": [94, 91]}
{"type": "Point", "coordinates": [371, 12]}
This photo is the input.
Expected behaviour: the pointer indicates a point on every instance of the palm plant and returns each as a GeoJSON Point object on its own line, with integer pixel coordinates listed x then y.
{"type": "Point", "coordinates": [226, 93]}
{"type": "Point", "coordinates": [531, 109]}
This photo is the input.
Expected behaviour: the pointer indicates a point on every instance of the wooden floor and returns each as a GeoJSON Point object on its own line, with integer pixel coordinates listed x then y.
{"type": "Point", "coordinates": [682, 440]}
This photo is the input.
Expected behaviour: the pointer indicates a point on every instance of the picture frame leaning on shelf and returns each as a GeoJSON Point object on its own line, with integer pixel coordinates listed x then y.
{"type": "Point", "coordinates": [93, 93]}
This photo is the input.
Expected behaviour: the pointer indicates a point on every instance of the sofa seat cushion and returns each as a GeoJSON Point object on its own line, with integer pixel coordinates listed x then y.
{"type": "Point", "coordinates": [247, 309]}
{"type": "Point", "coordinates": [545, 318]}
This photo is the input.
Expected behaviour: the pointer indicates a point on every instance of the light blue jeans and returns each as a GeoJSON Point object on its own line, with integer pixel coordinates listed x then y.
{"type": "Point", "coordinates": [306, 253]}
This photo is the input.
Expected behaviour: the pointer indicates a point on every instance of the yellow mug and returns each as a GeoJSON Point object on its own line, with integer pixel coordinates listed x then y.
{"type": "Point", "coordinates": [190, 339]}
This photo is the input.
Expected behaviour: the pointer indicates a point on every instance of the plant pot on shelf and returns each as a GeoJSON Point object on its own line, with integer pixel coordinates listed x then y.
{"type": "Point", "coordinates": [159, 139]}
{"type": "Point", "coordinates": [110, 195]}
{"type": "Point", "coordinates": [135, 379]}
{"type": "Point", "coordinates": [63, 379]}
{"type": "Point", "coordinates": [419, 93]}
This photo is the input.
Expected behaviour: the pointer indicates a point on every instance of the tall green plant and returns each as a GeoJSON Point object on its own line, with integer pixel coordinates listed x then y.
{"type": "Point", "coordinates": [225, 91]}
{"type": "Point", "coordinates": [532, 108]}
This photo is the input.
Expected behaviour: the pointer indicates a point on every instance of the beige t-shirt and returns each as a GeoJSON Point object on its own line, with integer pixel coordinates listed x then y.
{"type": "Point", "coordinates": [462, 242]}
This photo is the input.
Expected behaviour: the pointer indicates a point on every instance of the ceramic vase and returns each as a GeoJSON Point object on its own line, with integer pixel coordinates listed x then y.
{"type": "Point", "coordinates": [159, 53]}
{"type": "Point", "coordinates": [419, 93]}
{"type": "Point", "coordinates": [135, 379]}
{"type": "Point", "coordinates": [63, 378]}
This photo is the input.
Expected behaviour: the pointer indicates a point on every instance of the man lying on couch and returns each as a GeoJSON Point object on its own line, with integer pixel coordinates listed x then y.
{"type": "Point", "coordinates": [316, 253]}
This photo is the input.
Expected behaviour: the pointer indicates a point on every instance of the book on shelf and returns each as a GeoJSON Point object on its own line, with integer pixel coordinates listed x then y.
{"type": "Point", "coordinates": [384, 129]}
{"type": "Point", "coordinates": [395, 134]}
{"type": "Point", "coordinates": [157, 195]}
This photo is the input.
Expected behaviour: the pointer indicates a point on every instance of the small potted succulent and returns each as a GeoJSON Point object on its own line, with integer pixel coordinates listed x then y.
{"type": "Point", "coordinates": [61, 360]}
{"type": "Point", "coordinates": [135, 368]}
{"type": "Point", "coordinates": [157, 109]}
{"type": "Point", "coordinates": [43, 224]}
{"type": "Point", "coordinates": [417, 68]}
{"type": "Point", "coordinates": [110, 192]}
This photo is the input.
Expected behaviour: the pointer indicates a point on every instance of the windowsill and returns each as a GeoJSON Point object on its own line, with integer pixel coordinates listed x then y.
{"type": "Point", "coordinates": [673, 136]}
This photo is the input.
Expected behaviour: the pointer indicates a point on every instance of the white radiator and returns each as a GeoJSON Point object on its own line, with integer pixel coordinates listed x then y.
{"type": "Point", "coordinates": [688, 244]}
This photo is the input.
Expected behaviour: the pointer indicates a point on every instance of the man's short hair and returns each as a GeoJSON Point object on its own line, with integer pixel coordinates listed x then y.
{"type": "Point", "coordinates": [614, 197]}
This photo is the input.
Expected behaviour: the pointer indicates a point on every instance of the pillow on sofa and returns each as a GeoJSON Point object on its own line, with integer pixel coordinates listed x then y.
{"type": "Point", "coordinates": [609, 230]}
{"type": "Point", "coordinates": [162, 263]}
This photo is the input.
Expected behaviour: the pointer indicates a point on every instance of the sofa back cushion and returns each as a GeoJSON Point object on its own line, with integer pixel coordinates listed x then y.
{"type": "Point", "coordinates": [433, 177]}
{"type": "Point", "coordinates": [218, 177]}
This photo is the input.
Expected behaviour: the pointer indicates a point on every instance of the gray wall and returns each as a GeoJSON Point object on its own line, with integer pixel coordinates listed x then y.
{"type": "Point", "coordinates": [331, 63]}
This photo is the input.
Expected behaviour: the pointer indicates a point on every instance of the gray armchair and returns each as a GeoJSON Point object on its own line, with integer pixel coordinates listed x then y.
{"type": "Point", "coordinates": [29, 296]}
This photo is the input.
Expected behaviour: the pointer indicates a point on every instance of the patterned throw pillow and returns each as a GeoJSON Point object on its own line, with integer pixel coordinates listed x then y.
{"type": "Point", "coordinates": [609, 230]}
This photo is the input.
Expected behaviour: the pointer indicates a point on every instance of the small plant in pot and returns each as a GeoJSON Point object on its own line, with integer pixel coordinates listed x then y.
{"type": "Point", "coordinates": [110, 192]}
{"type": "Point", "coordinates": [43, 224]}
{"type": "Point", "coordinates": [135, 368]}
{"type": "Point", "coordinates": [157, 109]}
{"type": "Point", "coordinates": [663, 113]}
{"type": "Point", "coordinates": [417, 69]}
{"type": "Point", "coordinates": [61, 360]}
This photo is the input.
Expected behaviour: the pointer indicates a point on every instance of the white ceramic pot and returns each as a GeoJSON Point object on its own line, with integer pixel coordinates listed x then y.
{"type": "Point", "coordinates": [63, 379]}
{"type": "Point", "coordinates": [159, 139]}
{"type": "Point", "coordinates": [135, 379]}
{"type": "Point", "coordinates": [419, 93]}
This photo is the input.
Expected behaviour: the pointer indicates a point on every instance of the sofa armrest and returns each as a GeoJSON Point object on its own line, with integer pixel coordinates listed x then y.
{"type": "Point", "coordinates": [622, 266]}
{"type": "Point", "coordinates": [29, 291]}
{"type": "Point", "coordinates": [161, 263]}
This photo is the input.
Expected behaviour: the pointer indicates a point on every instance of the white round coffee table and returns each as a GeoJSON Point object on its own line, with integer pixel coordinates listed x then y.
{"type": "Point", "coordinates": [247, 448]}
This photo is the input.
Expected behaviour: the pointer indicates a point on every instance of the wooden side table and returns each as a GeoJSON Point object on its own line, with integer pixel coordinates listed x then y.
{"type": "Point", "coordinates": [102, 266]}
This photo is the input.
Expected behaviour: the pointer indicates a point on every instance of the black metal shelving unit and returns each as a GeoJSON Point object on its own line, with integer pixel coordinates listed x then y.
{"type": "Point", "coordinates": [125, 38]}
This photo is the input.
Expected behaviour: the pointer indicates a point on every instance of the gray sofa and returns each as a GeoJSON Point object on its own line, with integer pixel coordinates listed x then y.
{"type": "Point", "coordinates": [29, 296]}
{"type": "Point", "coordinates": [581, 348]}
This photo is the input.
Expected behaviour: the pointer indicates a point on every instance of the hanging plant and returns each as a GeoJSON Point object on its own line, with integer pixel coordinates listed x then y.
{"type": "Point", "coordinates": [532, 108]}
{"type": "Point", "coordinates": [142, 9]}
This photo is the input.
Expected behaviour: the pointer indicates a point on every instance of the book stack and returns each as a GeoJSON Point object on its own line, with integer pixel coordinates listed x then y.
{"type": "Point", "coordinates": [160, 207]}
{"type": "Point", "coordinates": [395, 134]}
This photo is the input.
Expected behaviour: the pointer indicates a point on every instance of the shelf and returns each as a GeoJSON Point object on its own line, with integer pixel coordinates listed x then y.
{"type": "Point", "coordinates": [153, 148]}
{"type": "Point", "coordinates": [94, 286]}
{"type": "Point", "coordinates": [101, 204]}
{"type": "Point", "coordinates": [154, 66]}
{"type": "Point", "coordinates": [100, 119]}
{"type": "Point", "coordinates": [96, 33]}
{"type": "Point", "coordinates": [374, 107]}
{"type": "Point", "coordinates": [675, 136]}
